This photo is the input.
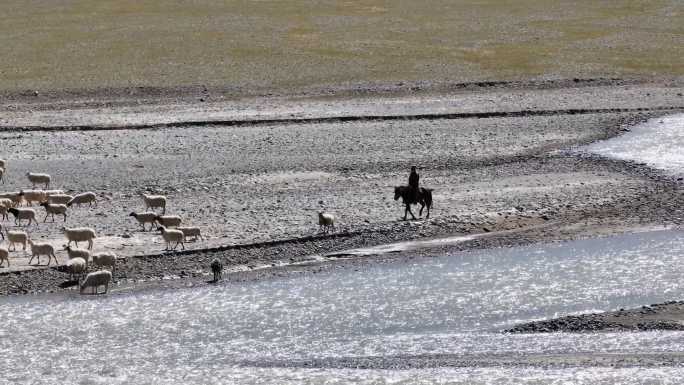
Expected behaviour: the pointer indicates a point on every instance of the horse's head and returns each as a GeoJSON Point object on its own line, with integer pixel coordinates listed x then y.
{"type": "Point", "coordinates": [397, 192]}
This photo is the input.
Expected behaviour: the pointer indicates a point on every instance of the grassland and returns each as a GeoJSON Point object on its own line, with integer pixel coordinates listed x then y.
{"type": "Point", "coordinates": [61, 44]}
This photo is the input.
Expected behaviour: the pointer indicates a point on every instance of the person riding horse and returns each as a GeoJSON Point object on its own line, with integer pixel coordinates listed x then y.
{"type": "Point", "coordinates": [414, 181]}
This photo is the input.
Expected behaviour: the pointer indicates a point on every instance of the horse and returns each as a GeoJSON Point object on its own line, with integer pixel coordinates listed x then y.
{"type": "Point", "coordinates": [407, 196]}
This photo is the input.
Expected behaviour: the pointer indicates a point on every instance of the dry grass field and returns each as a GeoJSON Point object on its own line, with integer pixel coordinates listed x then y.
{"type": "Point", "coordinates": [256, 45]}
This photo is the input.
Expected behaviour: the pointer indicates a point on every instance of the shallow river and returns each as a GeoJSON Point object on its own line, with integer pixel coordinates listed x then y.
{"type": "Point", "coordinates": [453, 305]}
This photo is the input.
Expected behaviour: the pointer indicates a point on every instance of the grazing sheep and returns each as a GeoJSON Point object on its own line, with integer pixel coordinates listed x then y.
{"type": "Point", "coordinates": [96, 279]}
{"type": "Point", "coordinates": [59, 199]}
{"type": "Point", "coordinates": [76, 266]}
{"type": "Point", "coordinates": [21, 214]}
{"type": "Point", "coordinates": [217, 269]}
{"type": "Point", "coordinates": [146, 217]}
{"type": "Point", "coordinates": [154, 201]}
{"type": "Point", "coordinates": [16, 236]}
{"type": "Point", "coordinates": [77, 253]}
{"type": "Point", "coordinates": [168, 220]}
{"type": "Point", "coordinates": [326, 222]}
{"type": "Point", "coordinates": [7, 202]}
{"type": "Point", "coordinates": [80, 234]}
{"type": "Point", "coordinates": [83, 198]}
{"type": "Point", "coordinates": [172, 236]}
{"type": "Point", "coordinates": [36, 178]}
{"type": "Point", "coordinates": [105, 259]}
{"type": "Point", "coordinates": [38, 249]}
{"type": "Point", "coordinates": [52, 209]}
{"type": "Point", "coordinates": [13, 196]}
{"type": "Point", "coordinates": [4, 256]}
{"type": "Point", "coordinates": [194, 232]}
{"type": "Point", "coordinates": [31, 196]}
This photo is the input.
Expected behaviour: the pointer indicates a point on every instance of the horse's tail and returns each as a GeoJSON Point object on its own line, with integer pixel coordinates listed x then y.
{"type": "Point", "coordinates": [428, 196]}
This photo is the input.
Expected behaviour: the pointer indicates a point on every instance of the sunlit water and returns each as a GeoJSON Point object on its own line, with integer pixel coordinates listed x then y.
{"type": "Point", "coordinates": [657, 142]}
{"type": "Point", "coordinates": [452, 305]}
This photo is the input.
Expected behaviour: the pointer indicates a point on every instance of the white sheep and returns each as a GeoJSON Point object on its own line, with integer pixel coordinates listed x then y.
{"type": "Point", "coordinates": [38, 249]}
{"type": "Point", "coordinates": [169, 220]}
{"type": "Point", "coordinates": [95, 280]}
{"type": "Point", "coordinates": [53, 192]}
{"type": "Point", "coordinates": [13, 196]}
{"type": "Point", "coordinates": [105, 259]}
{"type": "Point", "coordinates": [83, 198]}
{"type": "Point", "coordinates": [146, 217]}
{"type": "Point", "coordinates": [59, 199]}
{"type": "Point", "coordinates": [76, 266]}
{"type": "Point", "coordinates": [326, 222]}
{"type": "Point", "coordinates": [16, 236]}
{"type": "Point", "coordinates": [78, 253]}
{"type": "Point", "coordinates": [21, 214]}
{"type": "Point", "coordinates": [154, 201]}
{"type": "Point", "coordinates": [4, 256]}
{"type": "Point", "coordinates": [172, 236]}
{"type": "Point", "coordinates": [80, 234]}
{"type": "Point", "coordinates": [37, 178]}
{"type": "Point", "coordinates": [194, 232]}
{"type": "Point", "coordinates": [52, 209]}
{"type": "Point", "coordinates": [31, 196]}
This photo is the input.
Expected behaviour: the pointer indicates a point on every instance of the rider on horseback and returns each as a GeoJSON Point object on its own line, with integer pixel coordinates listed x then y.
{"type": "Point", "coordinates": [414, 179]}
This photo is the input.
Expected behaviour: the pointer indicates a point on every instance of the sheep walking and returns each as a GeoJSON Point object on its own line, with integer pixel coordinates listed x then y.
{"type": "Point", "coordinates": [194, 232]}
{"type": "Point", "coordinates": [80, 234]}
{"type": "Point", "coordinates": [14, 197]}
{"type": "Point", "coordinates": [78, 253]}
{"type": "Point", "coordinates": [38, 249]}
{"type": "Point", "coordinates": [59, 199]}
{"type": "Point", "coordinates": [146, 217]}
{"type": "Point", "coordinates": [3, 212]}
{"type": "Point", "coordinates": [171, 236]}
{"type": "Point", "coordinates": [16, 236]}
{"type": "Point", "coordinates": [30, 196]}
{"type": "Point", "coordinates": [154, 201]}
{"type": "Point", "coordinates": [168, 220]}
{"type": "Point", "coordinates": [76, 266]}
{"type": "Point", "coordinates": [96, 279]}
{"type": "Point", "coordinates": [83, 198]}
{"type": "Point", "coordinates": [4, 256]}
{"type": "Point", "coordinates": [326, 222]}
{"type": "Point", "coordinates": [23, 214]}
{"type": "Point", "coordinates": [217, 269]}
{"type": "Point", "coordinates": [37, 178]}
{"type": "Point", "coordinates": [52, 209]}
{"type": "Point", "coordinates": [105, 259]}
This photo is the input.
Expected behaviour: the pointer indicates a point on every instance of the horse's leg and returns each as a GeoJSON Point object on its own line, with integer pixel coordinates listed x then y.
{"type": "Point", "coordinates": [408, 207]}
{"type": "Point", "coordinates": [428, 210]}
{"type": "Point", "coordinates": [422, 206]}
{"type": "Point", "coordinates": [406, 211]}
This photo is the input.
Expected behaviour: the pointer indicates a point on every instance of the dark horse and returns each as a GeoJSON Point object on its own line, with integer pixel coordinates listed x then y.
{"type": "Point", "coordinates": [406, 194]}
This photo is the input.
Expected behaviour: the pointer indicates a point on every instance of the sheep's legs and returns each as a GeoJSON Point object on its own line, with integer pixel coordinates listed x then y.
{"type": "Point", "coordinates": [90, 244]}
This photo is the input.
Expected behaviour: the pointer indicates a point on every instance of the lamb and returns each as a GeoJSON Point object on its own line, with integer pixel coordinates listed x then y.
{"type": "Point", "coordinates": [326, 222]}
{"type": "Point", "coordinates": [31, 196]}
{"type": "Point", "coordinates": [76, 266]}
{"type": "Point", "coordinates": [78, 253]}
{"type": "Point", "coordinates": [194, 232]}
{"type": "Point", "coordinates": [146, 217]}
{"type": "Point", "coordinates": [105, 259]}
{"type": "Point", "coordinates": [168, 220]}
{"type": "Point", "coordinates": [86, 197]}
{"type": "Point", "coordinates": [4, 256]}
{"type": "Point", "coordinates": [52, 209]}
{"type": "Point", "coordinates": [36, 178]}
{"type": "Point", "coordinates": [172, 236]}
{"type": "Point", "coordinates": [154, 201]}
{"type": "Point", "coordinates": [59, 199]}
{"type": "Point", "coordinates": [38, 249]}
{"type": "Point", "coordinates": [80, 234]}
{"type": "Point", "coordinates": [95, 280]}
{"type": "Point", "coordinates": [16, 236]}
{"type": "Point", "coordinates": [21, 214]}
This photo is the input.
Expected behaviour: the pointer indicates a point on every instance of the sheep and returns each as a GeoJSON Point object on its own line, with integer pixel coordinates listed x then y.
{"type": "Point", "coordinates": [80, 234]}
{"type": "Point", "coordinates": [38, 249]}
{"type": "Point", "coordinates": [36, 178]}
{"type": "Point", "coordinates": [3, 212]}
{"type": "Point", "coordinates": [59, 199]}
{"type": "Point", "coordinates": [77, 253]}
{"type": "Point", "coordinates": [86, 197]}
{"type": "Point", "coordinates": [4, 256]}
{"type": "Point", "coordinates": [95, 280]}
{"type": "Point", "coordinates": [31, 196]}
{"type": "Point", "coordinates": [12, 196]}
{"type": "Point", "coordinates": [3, 163]}
{"type": "Point", "coordinates": [76, 266]}
{"type": "Point", "coordinates": [194, 232]}
{"type": "Point", "coordinates": [217, 269]}
{"type": "Point", "coordinates": [53, 192]}
{"type": "Point", "coordinates": [105, 259]}
{"type": "Point", "coordinates": [154, 201]}
{"type": "Point", "coordinates": [172, 236]}
{"type": "Point", "coordinates": [146, 217]}
{"type": "Point", "coordinates": [2, 175]}
{"type": "Point", "coordinates": [168, 220]}
{"type": "Point", "coordinates": [16, 236]}
{"type": "Point", "coordinates": [52, 209]}
{"type": "Point", "coordinates": [21, 214]}
{"type": "Point", "coordinates": [326, 222]}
